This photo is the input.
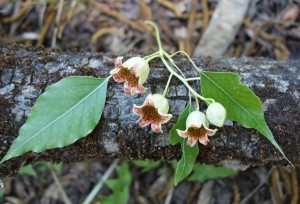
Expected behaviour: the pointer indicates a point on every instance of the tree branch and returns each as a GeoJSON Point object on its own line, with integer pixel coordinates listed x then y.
{"type": "Point", "coordinates": [26, 72]}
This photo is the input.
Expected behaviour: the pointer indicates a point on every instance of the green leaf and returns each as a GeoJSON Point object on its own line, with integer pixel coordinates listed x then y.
{"type": "Point", "coordinates": [147, 165]}
{"type": "Point", "coordinates": [66, 111]}
{"type": "Point", "coordinates": [202, 172]}
{"type": "Point", "coordinates": [186, 163]}
{"type": "Point", "coordinates": [173, 136]}
{"type": "Point", "coordinates": [119, 186]}
{"type": "Point", "coordinates": [241, 104]}
{"type": "Point", "coordinates": [28, 170]}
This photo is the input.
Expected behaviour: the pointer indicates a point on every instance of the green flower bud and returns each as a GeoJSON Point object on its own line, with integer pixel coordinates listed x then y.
{"type": "Point", "coordinates": [216, 114]}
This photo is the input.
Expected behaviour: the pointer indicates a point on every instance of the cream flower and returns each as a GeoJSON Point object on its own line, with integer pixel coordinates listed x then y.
{"type": "Point", "coordinates": [197, 129]}
{"type": "Point", "coordinates": [133, 71]}
{"type": "Point", "coordinates": [153, 111]}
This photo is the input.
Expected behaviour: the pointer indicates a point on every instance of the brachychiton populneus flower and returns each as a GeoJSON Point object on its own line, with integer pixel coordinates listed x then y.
{"type": "Point", "coordinates": [154, 111]}
{"type": "Point", "coordinates": [133, 71]}
{"type": "Point", "coordinates": [196, 129]}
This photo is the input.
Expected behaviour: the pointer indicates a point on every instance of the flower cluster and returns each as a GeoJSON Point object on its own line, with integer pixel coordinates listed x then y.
{"type": "Point", "coordinates": [134, 72]}
{"type": "Point", "coordinates": [154, 111]}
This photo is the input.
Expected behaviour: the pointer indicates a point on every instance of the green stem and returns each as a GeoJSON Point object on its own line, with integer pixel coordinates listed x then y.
{"type": "Point", "coordinates": [156, 33]}
{"type": "Point", "coordinates": [172, 61]}
{"type": "Point", "coordinates": [148, 59]}
{"type": "Point", "coordinates": [194, 65]}
{"type": "Point", "coordinates": [162, 53]}
{"type": "Point", "coordinates": [197, 104]}
{"type": "Point", "coordinates": [193, 79]}
{"type": "Point", "coordinates": [207, 100]}
{"type": "Point", "coordinates": [167, 86]}
{"type": "Point", "coordinates": [155, 53]}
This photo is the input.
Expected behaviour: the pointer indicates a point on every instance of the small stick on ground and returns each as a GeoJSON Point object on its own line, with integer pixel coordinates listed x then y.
{"type": "Point", "coordinates": [45, 29]}
{"type": "Point", "coordinates": [137, 25]}
{"type": "Point", "coordinates": [58, 184]}
{"type": "Point", "coordinates": [275, 192]}
{"type": "Point", "coordinates": [102, 32]}
{"type": "Point", "coordinates": [26, 7]}
{"type": "Point", "coordinates": [236, 192]}
{"type": "Point", "coordinates": [262, 182]}
{"type": "Point", "coordinates": [295, 189]}
{"type": "Point", "coordinates": [205, 14]}
{"type": "Point", "coordinates": [286, 179]}
{"type": "Point", "coordinates": [189, 47]}
{"type": "Point", "coordinates": [57, 19]}
{"type": "Point", "coordinates": [197, 186]}
{"type": "Point", "coordinates": [99, 185]}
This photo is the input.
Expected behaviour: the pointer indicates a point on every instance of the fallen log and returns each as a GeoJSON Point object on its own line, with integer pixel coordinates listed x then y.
{"type": "Point", "coordinates": [26, 72]}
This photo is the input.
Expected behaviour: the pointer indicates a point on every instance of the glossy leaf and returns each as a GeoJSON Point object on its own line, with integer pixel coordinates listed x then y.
{"type": "Point", "coordinates": [241, 104]}
{"type": "Point", "coordinates": [173, 136]}
{"type": "Point", "coordinates": [67, 111]}
{"type": "Point", "coordinates": [186, 163]}
{"type": "Point", "coordinates": [202, 172]}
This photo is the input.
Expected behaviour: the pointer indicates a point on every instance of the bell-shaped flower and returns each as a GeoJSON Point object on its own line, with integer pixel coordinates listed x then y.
{"type": "Point", "coordinates": [154, 111]}
{"type": "Point", "coordinates": [216, 114]}
{"type": "Point", "coordinates": [134, 72]}
{"type": "Point", "coordinates": [196, 129]}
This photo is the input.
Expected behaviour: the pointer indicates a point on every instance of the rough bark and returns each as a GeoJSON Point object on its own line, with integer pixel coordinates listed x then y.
{"type": "Point", "coordinates": [26, 72]}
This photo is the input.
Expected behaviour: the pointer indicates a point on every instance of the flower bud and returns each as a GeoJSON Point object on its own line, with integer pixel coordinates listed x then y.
{"type": "Point", "coordinates": [139, 66]}
{"type": "Point", "coordinates": [216, 114]}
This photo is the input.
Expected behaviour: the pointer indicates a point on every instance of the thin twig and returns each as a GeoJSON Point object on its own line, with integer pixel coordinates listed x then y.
{"type": "Point", "coordinates": [245, 200]}
{"type": "Point", "coordinates": [57, 19]}
{"type": "Point", "coordinates": [169, 196]}
{"type": "Point", "coordinates": [26, 7]}
{"type": "Point", "coordinates": [295, 189]}
{"type": "Point", "coordinates": [137, 25]}
{"type": "Point", "coordinates": [58, 184]}
{"type": "Point", "coordinates": [191, 22]}
{"type": "Point", "coordinates": [100, 183]}
{"type": "Point", "coordinates": [46, 27]}
{"type": "Point", "coordinates": [101, 32]}
{"type": "Point", "coordinates": [205, 14]}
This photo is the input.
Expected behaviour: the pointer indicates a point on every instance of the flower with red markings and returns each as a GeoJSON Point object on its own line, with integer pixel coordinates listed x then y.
{"type": "Point", "coordinates": [154, 111]}
{"type": "Point", "coordinates": [197, 129]}
{"type": "Point", "coordinates": [134, 72]}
